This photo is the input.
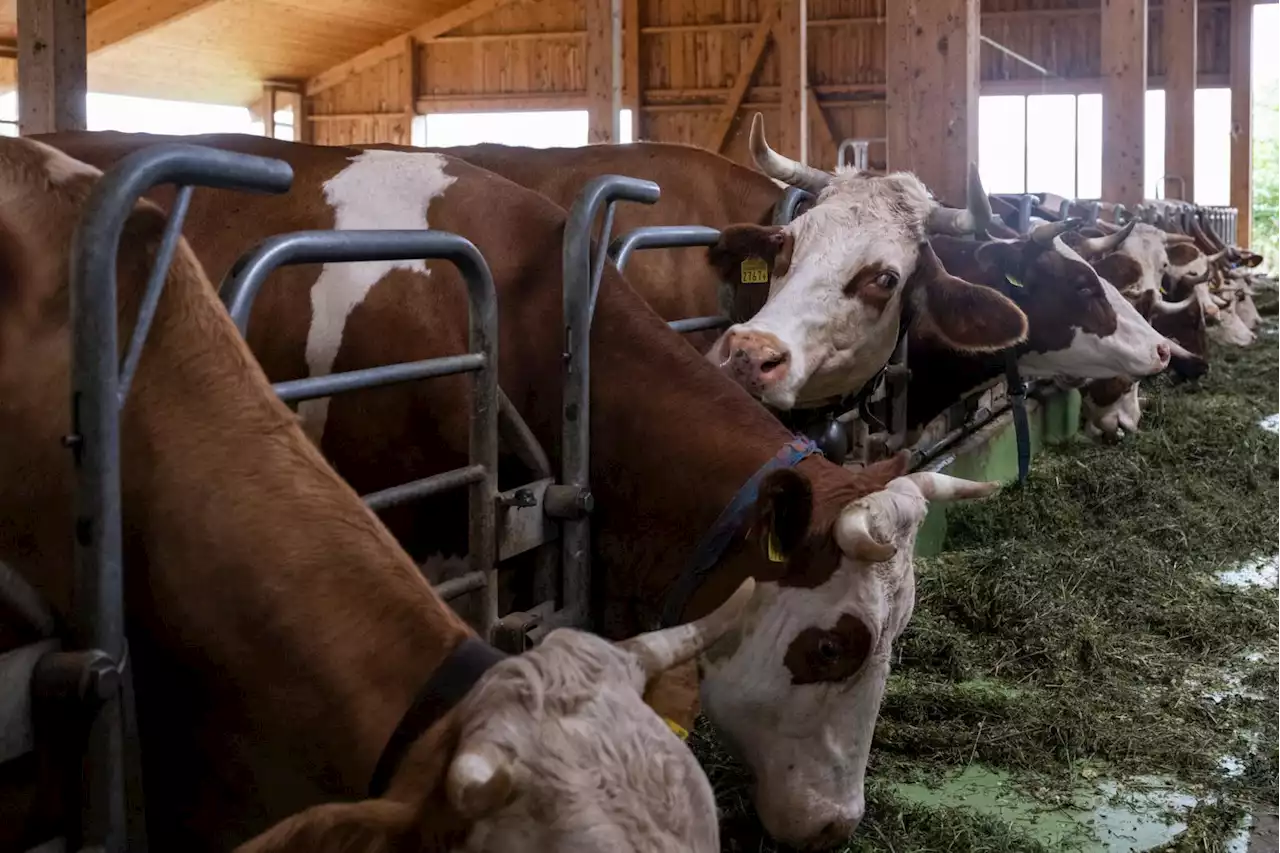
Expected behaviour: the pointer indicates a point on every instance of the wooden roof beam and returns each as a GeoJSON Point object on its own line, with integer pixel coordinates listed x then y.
{"type": "Point", "coordinates": [120, 21]}
{"type": "Point", "coordinates": [426, 31]}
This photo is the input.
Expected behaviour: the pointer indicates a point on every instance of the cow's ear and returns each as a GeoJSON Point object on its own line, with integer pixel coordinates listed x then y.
{"type": "Point", "coordinates": [966, 317]}
{"type": "Point", "coordinates": [1122, 271]}
{"type": "Point", "coordinates": [370, 826]}
{"type": "Point", "coordinates": [673, 695]}
{"type": "Point", "coordinates": [783, 509]}
{"type": "Point", "coordinates": [751, 254]}
{"type": "Point", "coordinates": [1001, 256]}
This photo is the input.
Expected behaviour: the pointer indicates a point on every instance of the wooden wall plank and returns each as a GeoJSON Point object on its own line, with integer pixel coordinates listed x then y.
{"type": "Point", "coordinates": [1181, 44]}
{"type": "Point", "coordinates": [933, 92]}
{"type": "Point", "coordinates": [52, 61]}
{"type": "Point", "coordinates": [1242, 118]}
{"type": "Point", "coordinates": [1124, 61]}
{"type": "Point", "coordinates": [603, 69]}
{"type": "Point", "coordinates": [718, 133]}
{"type": "Point", "coordinates": [791, 38]}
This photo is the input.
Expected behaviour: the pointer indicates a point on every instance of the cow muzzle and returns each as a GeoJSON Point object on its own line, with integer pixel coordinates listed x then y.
{"type": "Point", "coordinates": [758, 361]}
{"type": "Point", "coordinates": [812, 825]}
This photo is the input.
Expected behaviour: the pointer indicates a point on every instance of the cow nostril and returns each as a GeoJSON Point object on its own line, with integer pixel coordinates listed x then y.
{"type": "Point", "coordinates": [834, 833]}
{"type": "Point", "coordinates": [772, 364]}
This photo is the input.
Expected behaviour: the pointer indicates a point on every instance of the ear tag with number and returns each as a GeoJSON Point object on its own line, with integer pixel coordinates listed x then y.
{"type": "Point", "coordinates": [755, 271]}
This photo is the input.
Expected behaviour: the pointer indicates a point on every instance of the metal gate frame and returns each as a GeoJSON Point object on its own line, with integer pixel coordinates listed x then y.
{"type": "Point", "coordinates": [241, 287]}
{"type": "Point", "coordinates": [93, 676]}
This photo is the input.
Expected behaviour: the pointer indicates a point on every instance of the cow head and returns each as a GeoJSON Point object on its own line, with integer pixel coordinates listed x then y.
{"type": "Point", "coordinates": [1111, 408]}
{"type": "Point", "coordinates": [796, 688]}
{"type": "Point", "coordinates": [1078, 324]}
{"type": "Point", "coordinates": [841, 277]}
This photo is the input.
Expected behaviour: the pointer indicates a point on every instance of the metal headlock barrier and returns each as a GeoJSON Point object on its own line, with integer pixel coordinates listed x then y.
{"type": "Point", "coordinates": [480, 476]}
{"type": "Point", "coordinates": [86, 673]}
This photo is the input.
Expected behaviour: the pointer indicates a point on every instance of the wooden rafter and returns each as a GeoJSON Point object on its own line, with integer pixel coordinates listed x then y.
{"type": "Point", "coordinates": [120, 21]}
{"type": "Point", "coordinates": [759, 40]}
{"type": "Point", "coordinates": [426, 31]}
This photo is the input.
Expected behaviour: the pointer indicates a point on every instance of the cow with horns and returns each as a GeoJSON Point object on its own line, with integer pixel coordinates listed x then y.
{"type": "Point", "coordinates": [677, 450]}
{"type": "Point", "coordinates": [287, 651]}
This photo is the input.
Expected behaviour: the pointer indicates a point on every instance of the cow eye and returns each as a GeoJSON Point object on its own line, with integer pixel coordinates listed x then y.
{"type": "Point", "coordinates": [828, 650]}
{"type": "Point", "coordinates": [887, 280]}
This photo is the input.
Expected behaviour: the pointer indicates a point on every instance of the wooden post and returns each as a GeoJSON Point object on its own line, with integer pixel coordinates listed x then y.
{"type": "Point", "coordinates": [604, 69]}
{"type": "Point", "coordinates": [1242, 118]}
{"type": "Point", "coordinates": [52, 76]}
{"type": "Point", "coordinates": [633, 90]}
{"type": "Point", "coordinates": [409, 80]}
{"type": "Point", "coordinates": [932, 90]}
{"type": "Point", "coordinates": [269, 105]}
{"type": "Point", "coordinates": [1181, 62]}
{"type": "Point", "coordinates": [1124, 93]}
{"type": "Point", "coordinates": [790, 36]}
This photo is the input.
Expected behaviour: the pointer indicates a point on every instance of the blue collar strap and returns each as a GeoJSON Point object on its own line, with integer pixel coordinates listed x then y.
{"type": "Point", "coordinates": [717, 539]}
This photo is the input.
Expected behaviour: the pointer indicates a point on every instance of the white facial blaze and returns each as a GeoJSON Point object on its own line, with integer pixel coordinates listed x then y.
{"type": "Point", "coordinates": [1129, 351]}
{"type": "Point", "coordinates": [1146, 246]}
{"type": "Point", "coordinates": [380, 190]}
{"type": "Point", "coordinates": [1124, 414]}
{"type": "Point", "coordinates": [808, 743]}
{"type": "Point", "coordinates": [837, 342]}
{"type": "Point", "coordinates": [592, 767]}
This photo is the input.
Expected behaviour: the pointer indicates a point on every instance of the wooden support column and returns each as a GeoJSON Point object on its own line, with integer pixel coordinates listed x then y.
{"type": "Point", "coordinates": [604, 69]}
{"type": "Point", "coordinates": [1124, 98]}
{"type": "Point", "coordinates": [52, 75]}
{"type": "Point", "coordinates": [268, 105]}
{"type": "Point", "coordinates": [1242, 118]}
{"type": "Point", "coordinates": [633, 86]}
{"type": "Point", "coordinates": [932, 91]}
{"type": "Point", "coordinates": [1181, 61]}
{"type": "Point", "coordinates": [791, 37]}
{"type": "Point", "coordinates": [409, 77]}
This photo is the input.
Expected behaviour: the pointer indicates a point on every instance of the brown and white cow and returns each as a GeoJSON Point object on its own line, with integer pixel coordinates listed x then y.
{"type": "Point", "coordinates": [1078, 325]}
{"type": "Point", "coordinates": [278, 631]}
{"type": "Point", "coordinates": [672, 439]}
{"type": "Point", "coordinates": [840, 275]}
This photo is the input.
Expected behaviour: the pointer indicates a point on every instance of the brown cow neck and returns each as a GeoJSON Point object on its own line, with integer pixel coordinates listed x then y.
{"type": "Point", "coordinates": [679, 415]}
{"type": "Point", "coordinates": [295, 631]}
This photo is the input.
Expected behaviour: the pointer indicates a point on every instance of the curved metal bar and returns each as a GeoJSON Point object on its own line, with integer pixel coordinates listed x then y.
{"type": "Point", "coordinates": [580, 291]}
{"type": "Point", "coordinates": [660, 237]}
{"type": "Point", "coordinates": [97, 618]}
{"type": "Point", "coordinates": [155, 286]}
{"type": "Point", "coordinates": [245, 280]}
{"type": "Point", "coordinates": [1025, 204]}
{"type": "Point", "coordinates": [785, 211]}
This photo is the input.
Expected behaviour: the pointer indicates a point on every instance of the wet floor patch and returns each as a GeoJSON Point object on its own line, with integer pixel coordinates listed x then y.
{"type": "Point", "coordinates": [1102, 816]}
{"type": "Point", "coordinates": [1263, 572]}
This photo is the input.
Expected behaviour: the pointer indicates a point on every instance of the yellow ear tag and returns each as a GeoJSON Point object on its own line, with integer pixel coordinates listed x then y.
{"type": "Point", "coordinates": [775, 553]}
{"type": "Point", "coordinates": [1009, 277]}
{"type": "Point", "coordinates": [680, 731]}
{"type": "Point", "coordinates": [755, 271]}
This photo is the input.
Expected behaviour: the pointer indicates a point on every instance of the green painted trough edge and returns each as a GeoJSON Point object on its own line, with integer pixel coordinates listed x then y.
{"type": "Point", "coordinates": [991, 453]}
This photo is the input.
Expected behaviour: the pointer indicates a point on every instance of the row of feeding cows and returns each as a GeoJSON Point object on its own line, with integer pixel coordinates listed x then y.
{"type": "Point", "coordinates": [281, 630]}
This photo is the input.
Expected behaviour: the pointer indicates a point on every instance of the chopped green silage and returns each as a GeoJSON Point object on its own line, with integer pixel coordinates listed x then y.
{"type": "Point", "coordinates": [1076, 629]}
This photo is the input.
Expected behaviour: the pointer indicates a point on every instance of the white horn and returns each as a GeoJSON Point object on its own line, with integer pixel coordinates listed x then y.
{"type": "Point", "coordinates": [944, 488]}
{"type": "Point", "coordinates": [479, 780]}
{"type": "Point", "coordinates": [1046, 232]}
{"type": "Point", "coordinates": [1162, 307]}
{"type": "Point", "coordinates": [976, 217]}
{"type": "Point", "coordinates": [1096, 246]}
{"type": "Point", "coordinates": [854, 536]}
{"type": "Point", "coordinates": [782, 168]}
{"type": "Point", "coordinates": [658, 651]}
